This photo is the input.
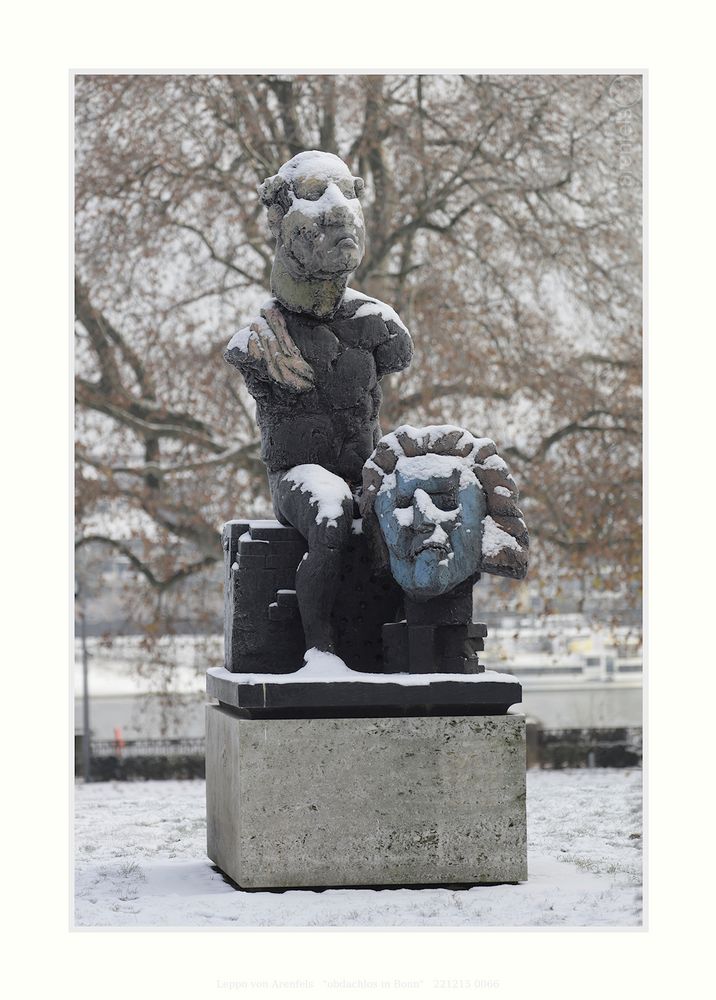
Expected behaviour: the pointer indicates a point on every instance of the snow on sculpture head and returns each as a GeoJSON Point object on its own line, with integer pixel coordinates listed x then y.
{"type": "Point", "coordinates": [314, 212]}
{"type": "Point", "coordinates": [439, 506]}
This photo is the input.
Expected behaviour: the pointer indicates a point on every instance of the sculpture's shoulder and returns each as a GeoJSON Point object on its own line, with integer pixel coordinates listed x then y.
{"type": "Point", "coordinates": [356, 304]}
{"type": "Point", "coordinates": [237, 350]}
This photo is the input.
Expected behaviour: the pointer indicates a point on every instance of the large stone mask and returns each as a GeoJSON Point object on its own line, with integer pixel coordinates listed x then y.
{"type": "Point", "coordinates": [430, 515]}
{"type": "Point", "coordinates": [439, 506]}
{"type": "Point", "coordinates": [314, 212]}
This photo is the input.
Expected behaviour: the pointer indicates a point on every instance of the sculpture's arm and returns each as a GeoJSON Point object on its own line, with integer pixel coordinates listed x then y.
{"type": "Point", "coordinates": [265, 348]}
{"type": "Point", "coordinates": [396, 352]}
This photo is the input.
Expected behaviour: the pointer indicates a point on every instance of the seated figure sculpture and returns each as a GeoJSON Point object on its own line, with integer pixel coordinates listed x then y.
{"type": "Point", "coordinates": [313, 361]}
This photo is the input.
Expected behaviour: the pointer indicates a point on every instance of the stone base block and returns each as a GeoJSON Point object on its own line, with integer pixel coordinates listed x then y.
{"type": "Point", "coordinates": [366, 801]}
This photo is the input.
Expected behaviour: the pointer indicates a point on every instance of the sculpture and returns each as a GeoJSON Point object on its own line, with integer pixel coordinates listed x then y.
{"type": "Point", "coordinates": [370, 763]}
{"type": "Point", "coordinates": [313, 361]}
{"type": "Point", "coordinates": [439, 505]}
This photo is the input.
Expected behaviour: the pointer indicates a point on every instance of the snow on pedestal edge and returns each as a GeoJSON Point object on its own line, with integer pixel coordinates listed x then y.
{"type": "Point", "coordinates": [333, 676]}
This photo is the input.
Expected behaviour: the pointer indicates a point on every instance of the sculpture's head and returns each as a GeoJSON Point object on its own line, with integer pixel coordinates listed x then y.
{"type": "Point", "coordinates": [315, 214]}
{"type": "Point", "coordinates": [429, 502]}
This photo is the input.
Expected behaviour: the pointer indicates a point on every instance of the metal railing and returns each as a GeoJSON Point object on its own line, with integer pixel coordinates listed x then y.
{"type": "Point", "coordinates": [148, 748]}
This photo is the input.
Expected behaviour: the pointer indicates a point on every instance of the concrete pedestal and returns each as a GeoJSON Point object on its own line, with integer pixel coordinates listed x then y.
{"type": "Point", "coordinates": [366, 801]}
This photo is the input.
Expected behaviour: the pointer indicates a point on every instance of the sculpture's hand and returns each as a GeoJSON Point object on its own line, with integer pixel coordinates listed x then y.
{"type": "Point", "coordinates": [271, 341]}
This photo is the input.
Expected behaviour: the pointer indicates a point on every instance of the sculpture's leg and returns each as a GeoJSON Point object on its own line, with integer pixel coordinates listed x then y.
{"type": "Point", "coordinates": [318, 574]}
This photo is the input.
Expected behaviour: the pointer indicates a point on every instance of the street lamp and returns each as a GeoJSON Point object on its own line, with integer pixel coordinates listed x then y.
{"type": "Point", "coordinates": [79, 598]}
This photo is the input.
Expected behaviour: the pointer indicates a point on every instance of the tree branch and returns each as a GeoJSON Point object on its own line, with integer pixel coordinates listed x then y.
{"type": "Point", "coordinates": [178, 425]}
{"type": "Point", "coordinates": [573, 427]}
{"type": "Point", "coordinates": [141, 567]}
{"type": "Point", "coordinates": [232, 456]}
{"type": "Point", "coordinates": [437, 390]}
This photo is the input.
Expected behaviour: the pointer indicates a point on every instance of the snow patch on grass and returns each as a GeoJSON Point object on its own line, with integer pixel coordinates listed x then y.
{"type": "Point", "coordinates": [141, 862]}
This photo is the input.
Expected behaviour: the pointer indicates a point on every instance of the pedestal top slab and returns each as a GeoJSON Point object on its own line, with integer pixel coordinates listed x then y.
{"type": "Point", "coordinates": [359, 694]}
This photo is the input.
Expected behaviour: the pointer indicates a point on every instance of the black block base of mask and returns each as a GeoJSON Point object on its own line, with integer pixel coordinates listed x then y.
{"type": "Point", "coordinates": [428, 649]}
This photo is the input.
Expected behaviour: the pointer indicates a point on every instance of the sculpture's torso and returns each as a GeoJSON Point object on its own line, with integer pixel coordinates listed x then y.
{"type": "Point", "coordinates": [334, 425]}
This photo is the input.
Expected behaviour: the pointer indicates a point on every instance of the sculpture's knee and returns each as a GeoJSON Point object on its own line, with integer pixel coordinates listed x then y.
{"type": "Point", "coordinates": [321, 504]}
{"type": "Point", "coordinates": [333, 532]}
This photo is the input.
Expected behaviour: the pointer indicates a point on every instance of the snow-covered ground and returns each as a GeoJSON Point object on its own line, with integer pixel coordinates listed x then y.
{"type": "Point", "coordinates": [141, 862]}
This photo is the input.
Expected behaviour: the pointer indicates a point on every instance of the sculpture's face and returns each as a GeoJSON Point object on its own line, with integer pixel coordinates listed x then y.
{"type": "Point", "coordinates": [323, 232]}
{"type": "Point", "coordinates": [430, 514]}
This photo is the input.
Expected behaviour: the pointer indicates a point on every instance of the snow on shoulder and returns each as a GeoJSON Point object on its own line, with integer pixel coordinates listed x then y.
{"type": "Point", "coordinates": [240, 340]}
{"type": "Point", "coordinates": [373, 307]}
{"type": "Point", "coordinates": [257, 328]}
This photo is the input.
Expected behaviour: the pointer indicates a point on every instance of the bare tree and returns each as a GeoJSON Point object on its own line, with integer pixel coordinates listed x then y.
{"type": "Point", "coordinates": [497, 228]}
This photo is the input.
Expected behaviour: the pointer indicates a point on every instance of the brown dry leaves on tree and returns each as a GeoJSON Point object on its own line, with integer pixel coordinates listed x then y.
{"type": "Point", "coordinates": [499, 227]}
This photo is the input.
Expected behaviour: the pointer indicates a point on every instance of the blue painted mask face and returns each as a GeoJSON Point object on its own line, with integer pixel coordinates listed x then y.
{"type": "Point", "coordinates": [430, 514]}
